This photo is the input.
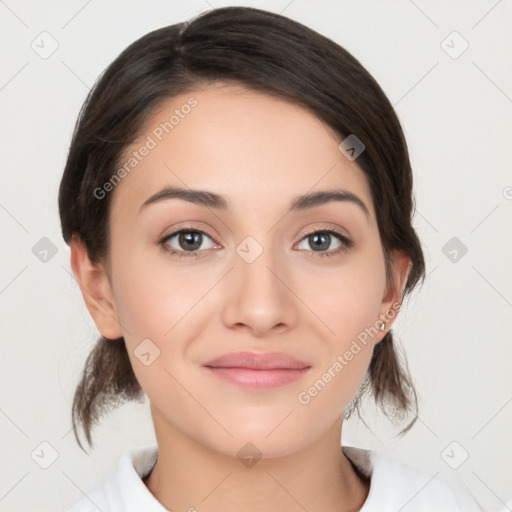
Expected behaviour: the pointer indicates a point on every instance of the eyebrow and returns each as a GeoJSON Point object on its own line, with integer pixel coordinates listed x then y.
{"type": "Point", "coordinates": [218, 202]}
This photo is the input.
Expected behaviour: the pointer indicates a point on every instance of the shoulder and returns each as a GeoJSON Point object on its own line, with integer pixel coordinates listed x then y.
{"type": "Point", "coordinates": [398, 486]}
{"type": "Point", "coordinates": [123, 488]}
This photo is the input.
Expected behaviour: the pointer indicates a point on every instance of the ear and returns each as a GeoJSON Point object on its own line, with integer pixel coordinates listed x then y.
{"type": "Point", "coordinates": [392, 298]}
{"type": "Point", "coordinates": [96, 290]}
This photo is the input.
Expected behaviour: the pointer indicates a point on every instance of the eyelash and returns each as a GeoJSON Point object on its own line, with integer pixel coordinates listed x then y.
{"type": "Point", "coordinates": [346, 244]}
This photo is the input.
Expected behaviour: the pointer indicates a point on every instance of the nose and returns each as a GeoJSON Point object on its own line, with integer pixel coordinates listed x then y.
{"type": "Point", "coordinates": [259, 295]}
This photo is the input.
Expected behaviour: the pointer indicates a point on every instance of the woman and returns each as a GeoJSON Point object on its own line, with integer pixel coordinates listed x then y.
{"type": "Point", "coordinates": [238, 201]}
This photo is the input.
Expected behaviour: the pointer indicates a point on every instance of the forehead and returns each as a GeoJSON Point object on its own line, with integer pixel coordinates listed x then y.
{"type": "Point", "coordinates": [255, 149]}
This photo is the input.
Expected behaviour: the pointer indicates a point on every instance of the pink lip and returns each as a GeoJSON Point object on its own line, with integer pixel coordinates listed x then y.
{"type": "Point", "coordinates": [257, 370]}
{"type": "Point", "coordinates": [257, 379]}
{"type": "Point", "coordinates": [257, 361]}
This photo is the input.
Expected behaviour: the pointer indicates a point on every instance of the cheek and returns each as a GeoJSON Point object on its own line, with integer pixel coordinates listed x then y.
{"type": "Point", "coordinates": [347, 299]}
{"type": "Point", "coordinates": [150, 299]}
{"type": "Point", "coordinates": [162, 304]}
{"type": "Point", "coordinates": [350, 311]}
{"type": "Point", "coordinates": [347, 302]}
{"type": "Point", "coordinates": [154, 319]}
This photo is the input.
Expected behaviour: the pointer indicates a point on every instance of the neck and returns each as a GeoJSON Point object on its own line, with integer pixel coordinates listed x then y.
{"type": "Point", "coordinates": [189, 476]}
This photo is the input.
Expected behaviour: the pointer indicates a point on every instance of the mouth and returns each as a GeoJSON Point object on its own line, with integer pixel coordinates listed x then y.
{"type": "Point", "coordinates": [257, 370]}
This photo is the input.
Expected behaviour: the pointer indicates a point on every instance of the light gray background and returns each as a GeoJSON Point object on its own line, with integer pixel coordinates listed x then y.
{"type": "Point", "coordinates": [456, 113]}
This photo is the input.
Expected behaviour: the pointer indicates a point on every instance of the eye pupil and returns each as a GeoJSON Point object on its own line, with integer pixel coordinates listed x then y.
{"type": "Point", "coordinates": [190, 237]}
{"type": "Point", "coordinates": [322, 238]}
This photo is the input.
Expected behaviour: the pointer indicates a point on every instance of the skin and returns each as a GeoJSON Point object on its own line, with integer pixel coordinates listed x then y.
{"type": "Point", "coordinates": [259, 152]}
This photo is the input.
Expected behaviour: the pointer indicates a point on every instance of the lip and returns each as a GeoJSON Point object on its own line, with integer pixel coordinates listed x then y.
{"type": "Point", "coordinates": [257, 370]}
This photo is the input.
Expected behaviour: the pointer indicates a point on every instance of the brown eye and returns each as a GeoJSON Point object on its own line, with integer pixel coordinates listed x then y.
{"type": "Point", "coordinates": [185, 241]}
{"type": "Point", "coordinates": [321, 240]}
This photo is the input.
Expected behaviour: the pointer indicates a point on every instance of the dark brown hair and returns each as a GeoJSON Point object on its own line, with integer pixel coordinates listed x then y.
{"type": "Point", "coordinates": [268, 53]}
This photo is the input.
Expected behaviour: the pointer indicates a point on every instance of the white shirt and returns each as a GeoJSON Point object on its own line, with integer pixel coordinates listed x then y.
{"type": "Point", "coordinates": [394, 486]}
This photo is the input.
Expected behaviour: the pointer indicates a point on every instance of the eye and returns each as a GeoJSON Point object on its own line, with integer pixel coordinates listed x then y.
{"type": "Point", "coordinates": [188, 240]}
{"type": "Point", "coordinates": [322, 238]}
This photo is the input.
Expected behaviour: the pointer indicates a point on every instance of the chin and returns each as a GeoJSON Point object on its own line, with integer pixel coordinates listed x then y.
{"type": "Point", "coordinates": [260, 441]}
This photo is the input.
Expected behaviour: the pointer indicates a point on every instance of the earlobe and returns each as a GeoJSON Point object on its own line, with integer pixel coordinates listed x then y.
{"type": "Point", "coordinates": [96, 290]}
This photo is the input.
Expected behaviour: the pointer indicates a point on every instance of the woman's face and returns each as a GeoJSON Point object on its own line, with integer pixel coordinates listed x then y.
{"type": "Point", "coordinates": [250, 278]}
